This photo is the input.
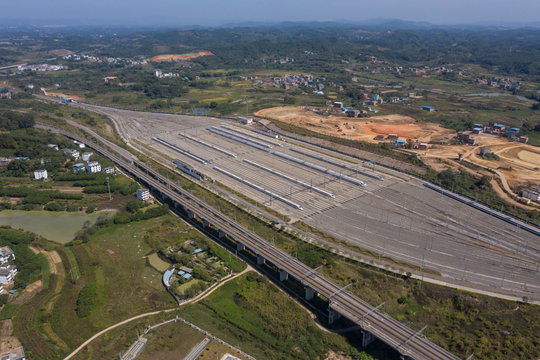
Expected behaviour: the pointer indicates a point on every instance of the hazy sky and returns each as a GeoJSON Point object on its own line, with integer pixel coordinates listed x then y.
{"type": "Point", "coordinates": [217, 12]}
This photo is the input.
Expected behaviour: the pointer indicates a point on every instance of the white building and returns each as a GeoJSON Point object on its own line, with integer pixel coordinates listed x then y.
{"type": "Point", "coordinates": [143, 194]}
{"type": "Point", "coordinates": [40, 174]}
{"type": "Point", "coordinates": [53, 146]}
{"type": "Point", "coordinates": [86, 155]}
{"type": "Point", "coordinates": [1, 291]}
{"type": "Point", "coordinates": [93, 167]}
{"type": "Point", "coordinates": [81, 145]}
{"type": "Point", "coordinates": [533, 194]}
{"type": "Point", "coordinates": [6, 254]}
{"type": "Point", "coordinates": [7, 273]}
{"type": "Point", "coordinates": [109, 170]}
{"type": "Point", "coordinates": [72, 153]}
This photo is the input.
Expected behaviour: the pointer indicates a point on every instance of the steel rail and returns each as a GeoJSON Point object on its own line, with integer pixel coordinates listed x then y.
{"type": "Point", "coordinates": [379, 324]}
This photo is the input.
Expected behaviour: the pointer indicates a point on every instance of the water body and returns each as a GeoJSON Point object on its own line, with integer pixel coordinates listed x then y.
{"type": "Point", "coordinates": [59, 227]}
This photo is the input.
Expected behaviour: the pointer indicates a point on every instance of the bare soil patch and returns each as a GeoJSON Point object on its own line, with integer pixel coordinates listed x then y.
{"type": "Point", "coordinates": [29, 292]}
{"type": "Point", "coordinates": [7, 340]}
{"type": "Point", "coordinates": [356, 128]}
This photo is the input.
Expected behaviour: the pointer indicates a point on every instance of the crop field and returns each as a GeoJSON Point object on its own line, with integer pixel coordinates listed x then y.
{"type": "Point", "coordinates": [396, 217]}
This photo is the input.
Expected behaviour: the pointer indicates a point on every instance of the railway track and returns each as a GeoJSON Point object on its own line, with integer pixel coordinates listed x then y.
{"type": "Point", "coordinates": [404, 339]}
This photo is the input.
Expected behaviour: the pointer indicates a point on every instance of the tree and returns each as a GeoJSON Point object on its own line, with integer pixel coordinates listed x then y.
{"type": "Point", "coordinates": [289, 99]}
{"type": "Point", "coordinates": [133, 206]}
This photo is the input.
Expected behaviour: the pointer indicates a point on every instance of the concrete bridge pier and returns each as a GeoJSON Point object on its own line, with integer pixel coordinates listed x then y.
{"type": "Point", "coordinates": [205, 223]}
{"type": "Point", "coordinates": [367, 338]}
{"type": "Point", "coordinates": [309, 293]}
{"type": "Point", "coordinates": [240, 247]}
{"type": "Point", "coordinates": [191, 214]}
{"type": "Point", "coordinates": [333, 315]}
{"type": "Point", "coordinates": [221, 234]}
{"type": "Point", "coordinates": [260, 260]}
{"type": "Point", "coordinates": [283, 275]}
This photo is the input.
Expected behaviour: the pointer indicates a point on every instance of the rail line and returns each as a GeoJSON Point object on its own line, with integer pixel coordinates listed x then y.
{"type": "Point", "coordinates": [402, 338]}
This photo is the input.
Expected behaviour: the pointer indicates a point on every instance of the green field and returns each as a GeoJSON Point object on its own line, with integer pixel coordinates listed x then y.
{"type": "Point", "coordinates": [114, 263]}
{"type": "Point", "coordinates": [156, 262]}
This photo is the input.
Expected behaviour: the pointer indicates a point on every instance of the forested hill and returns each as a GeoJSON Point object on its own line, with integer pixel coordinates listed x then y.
{"type": "Point", "coordinates": [514, 52]}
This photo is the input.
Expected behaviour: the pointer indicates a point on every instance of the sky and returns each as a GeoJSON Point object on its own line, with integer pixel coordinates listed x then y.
{"type": "Point", "coordinates": [219, 12]}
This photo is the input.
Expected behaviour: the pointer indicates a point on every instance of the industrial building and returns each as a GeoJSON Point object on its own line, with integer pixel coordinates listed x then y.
{"type": "Point", "coordinates": [40, 174]}
{"type": "Point", "coordinates": [143, 194]}
{"type": "Point", "coordinates": [93, 167]}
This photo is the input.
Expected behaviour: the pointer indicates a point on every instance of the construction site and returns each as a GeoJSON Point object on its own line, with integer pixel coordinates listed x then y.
{"type": "Point", "coordinates": [376, 209]}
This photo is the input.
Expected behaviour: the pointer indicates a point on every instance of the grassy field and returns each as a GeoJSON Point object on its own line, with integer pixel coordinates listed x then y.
{"type": "Point", "coordinates": [113, 261]}
{"type": "Point", "coordinates": [459, 321]}
{"type": "Point", "coordinates": [158, 264]}
{"type": "Point", "coordinates": [168, 342]}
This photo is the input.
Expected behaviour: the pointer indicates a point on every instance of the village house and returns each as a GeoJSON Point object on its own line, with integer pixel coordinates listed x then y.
{"type": "Point", "coordinates": [93, 167]}
{"type": "Point", "coordinates": [7, 273]}
{"type": "Point", "coordinates": [86, 155]}
{"type": "Point", "coordinates": [6, 254]}
{"type": "Point", "coordinates": [532, 193]}
{"type": "Point", "coordinates": [13, 354]}
{"type": "Point", "coordinates": [5, 161]}
{"type": "Point", "coordinates": [72, 153]}
{"type": "Point", "coordinates": [40, 174]}
{"type": "Point", "coordinates": [465, 138]}
{"type": "Point", "coordinates": [143, 194]}
{"type": "Point", "coordinates": [78, 166]}
{"type": "Point", "coordinates": [494, 128]}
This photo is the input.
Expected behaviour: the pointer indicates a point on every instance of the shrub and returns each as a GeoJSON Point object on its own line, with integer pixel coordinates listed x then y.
{"type": "Point", "coordinates": [86, 299]}
{"type": "Point", "coordinates": [54, 206]}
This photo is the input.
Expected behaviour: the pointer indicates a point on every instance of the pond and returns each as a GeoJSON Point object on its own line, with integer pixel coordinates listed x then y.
{"type": "Point", "coordinates": [59, 227]}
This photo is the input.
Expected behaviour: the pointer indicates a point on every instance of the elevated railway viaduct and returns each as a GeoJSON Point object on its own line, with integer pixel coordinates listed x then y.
{"type": "Point", "coordinates": [373, 322]}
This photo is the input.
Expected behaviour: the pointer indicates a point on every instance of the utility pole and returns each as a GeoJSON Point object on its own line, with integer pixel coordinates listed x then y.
{"type": "Point", "coordinates": [109, 188]}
